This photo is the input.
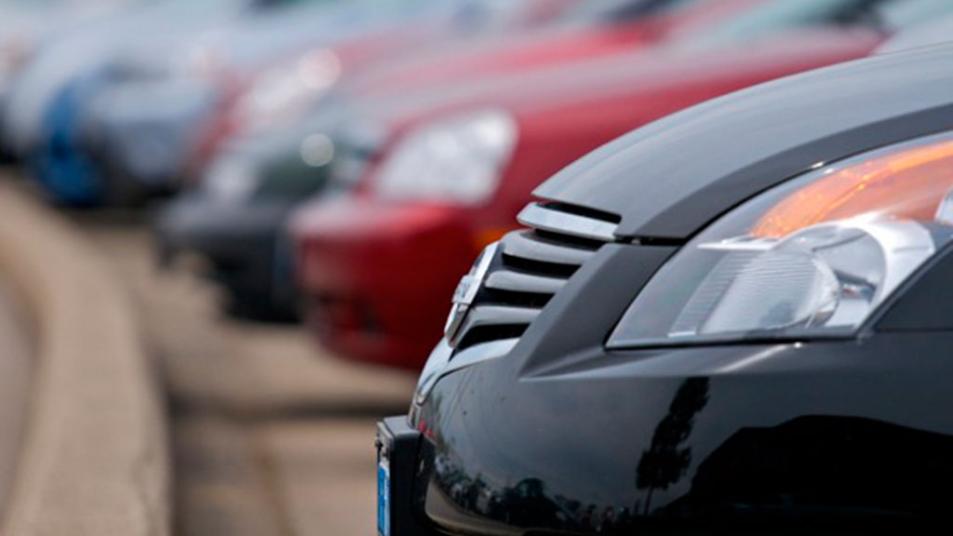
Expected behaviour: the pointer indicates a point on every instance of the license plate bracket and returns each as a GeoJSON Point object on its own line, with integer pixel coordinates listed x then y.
{"type": "Point", "coordinates": [397, 449]}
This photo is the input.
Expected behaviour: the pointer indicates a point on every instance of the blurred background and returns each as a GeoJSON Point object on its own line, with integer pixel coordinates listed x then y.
{"type": "Point", "coordinates": [291, 189]}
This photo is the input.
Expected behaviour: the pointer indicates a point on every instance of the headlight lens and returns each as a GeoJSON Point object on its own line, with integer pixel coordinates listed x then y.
{"type": "Point", "coordinates": [282, 174]}
{"type": "Point", "coordinates": [460, 160]}
{"type": "Point", "coordinates": [282, 93]}
{"type": "Point", "coordinates": [811, 258]}
{"type": "Point", "coordinates": [231, 179]}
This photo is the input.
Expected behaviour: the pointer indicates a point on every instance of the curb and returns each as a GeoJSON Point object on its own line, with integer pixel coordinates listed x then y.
{"type": "Point", "coordinates": [94, 459]}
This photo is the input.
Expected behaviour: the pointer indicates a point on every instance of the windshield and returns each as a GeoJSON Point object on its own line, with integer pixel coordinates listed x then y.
{"type": "Point", "coordinates": [283, 3]}
{"type": "Point", "coordinates": [45, 4]}
{"type": "Point", "coordinates": [896, 15]}
{"type": "Point", "coordinates": [618, 10]}
{"type": "Point", "coordinates": [780, 15]}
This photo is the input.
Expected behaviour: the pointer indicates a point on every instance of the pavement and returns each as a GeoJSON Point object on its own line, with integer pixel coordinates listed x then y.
{"type": "Point", "coordinates": [94, 457]}
{"type": "Point", "coordinates": [271, 436]}
{"type": "Point", "coordinates": [15, 376]}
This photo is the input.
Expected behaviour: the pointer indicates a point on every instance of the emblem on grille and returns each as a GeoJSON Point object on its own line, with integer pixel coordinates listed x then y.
{"type": "Point", "coordinates": [466, 293]}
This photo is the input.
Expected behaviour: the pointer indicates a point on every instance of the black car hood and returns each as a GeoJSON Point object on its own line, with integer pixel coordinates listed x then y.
{"type": "Point", "coordinates": [671, 178]}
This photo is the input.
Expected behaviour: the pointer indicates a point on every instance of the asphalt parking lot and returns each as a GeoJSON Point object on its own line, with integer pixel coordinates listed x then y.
{"type": "Point", "coordinates": [271, 437]}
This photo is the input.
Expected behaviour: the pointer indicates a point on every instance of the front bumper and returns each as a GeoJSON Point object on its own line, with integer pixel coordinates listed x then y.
{"type": "Point", "coordinates": [561, 436]}
{"type": "Point", "coordinates": [245, 243]}
{"type": "Point", "coordinates": [378, 278]}
{"type": "Point", "coordinates": [145, 132]}
{"type": "Point", "coordinates": [836, 436]}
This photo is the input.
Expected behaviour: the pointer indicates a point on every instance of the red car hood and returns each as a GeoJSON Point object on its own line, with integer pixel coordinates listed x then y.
{"type": "Point", "coordinates": [632, 77]}
{"type": "Point", "coordinates": [502, 54]}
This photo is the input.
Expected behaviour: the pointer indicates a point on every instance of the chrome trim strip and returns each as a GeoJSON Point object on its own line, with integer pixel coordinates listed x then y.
{"type": "Point", "coordinates": [519, 282]}
{"type": "Point", "coordinates": [494, 315]}
{"type": "Point", "coordinates": [519, 244]}
{"type": "Point", "coordinates": [467, 290]}
{"type": "Point", "coordinates": [547, 219]}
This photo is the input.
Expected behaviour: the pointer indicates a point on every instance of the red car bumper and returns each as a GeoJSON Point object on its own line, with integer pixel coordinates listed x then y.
{"type": "Point", "coordinates": [378, 278]}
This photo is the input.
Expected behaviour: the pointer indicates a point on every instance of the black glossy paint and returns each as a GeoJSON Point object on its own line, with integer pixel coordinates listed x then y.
{"type": "Point", "coordinates": [817, 433]}
{"type": "Point", "coordinates": [672, 177]}
{"type": "Point", "coordinates": [854, 435]}
{"type": "Point", "coordinates": [926, 304]}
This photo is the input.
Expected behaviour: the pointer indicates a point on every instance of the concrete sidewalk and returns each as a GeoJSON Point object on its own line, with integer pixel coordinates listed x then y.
{"type": "Point", "coordinates": [271, 436]}
{"type": "Point", "coordinates": [15, 379]}
{"type": "Point", "coordinates": [94, 459]}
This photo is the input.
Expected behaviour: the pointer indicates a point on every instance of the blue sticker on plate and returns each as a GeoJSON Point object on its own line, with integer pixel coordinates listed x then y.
{"type": "Point", "coordinates": [383, 497]}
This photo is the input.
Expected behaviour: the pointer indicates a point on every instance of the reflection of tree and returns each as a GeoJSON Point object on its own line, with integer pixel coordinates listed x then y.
{"type": "Point", "coordinates": [666, 461]}
{"type": "Point", "coordinates": [529, 502]}
{"type": "Point", "coordinates": [824, 469]}
{"type": "Point", "coordinates": [524, 504]}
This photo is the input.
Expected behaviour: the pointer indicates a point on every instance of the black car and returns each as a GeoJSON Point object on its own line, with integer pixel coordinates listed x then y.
{"type": "Point", "coordinates": [235, 218]}
{"type": "Point", "coordinates": [747, 327]}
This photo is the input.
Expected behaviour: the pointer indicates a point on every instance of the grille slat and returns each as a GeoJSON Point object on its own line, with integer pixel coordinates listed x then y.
{"type": "Point", "coordinates": [530, 267]}
{"type": "Point", "coordinates": [554, 220]}
{"type": "Point", "coordinates": [523, 244]}
{"type": "Point", "coordinates": [498, 315]}
{"type": "Point", "coordinates": [520, 282]}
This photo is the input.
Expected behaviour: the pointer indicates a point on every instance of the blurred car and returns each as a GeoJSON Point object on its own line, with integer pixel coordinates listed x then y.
{"type": "Point", "coordinates": [456, 165]}
{"type": "Point", "coordinates": [268, 68]}
{"type": "Point", "coordinates": [930, 33]}
{"type": "Point", "coordinates": [28, 25]}
{"type": "Point", "coordinates": [48, 99]}
{"type": "Point", "coordinates": [87, 46]}
{"type": "Point", "coordinates": [595, 28]}
{"type": "Point", "coordinates": [741, 331]}
{"type": "Point", "coordinates": [235, 218]}
{"type": "Point", "coordinates": [280, 93]}
{"type": "Point", "coordinates": [174, 40]}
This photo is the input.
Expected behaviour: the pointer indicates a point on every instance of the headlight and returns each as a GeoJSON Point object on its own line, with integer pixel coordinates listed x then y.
{"type": "Point", "coordinates": [282, 92]}
{"type": "Point", "coordinates": [281, 174]}
{"type": "Point", "coordinates": [458, 160]}
{"type": "Point", "coordinates": [814, 257]}
{"type": "Point", "coordinates": [231, 179]}
{"type": "Point", "coordinates": [317, 150]}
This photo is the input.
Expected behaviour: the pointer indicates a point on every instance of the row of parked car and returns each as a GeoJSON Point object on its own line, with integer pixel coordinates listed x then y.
{"type": "Point", "coordinates": [709, 318]}
{"type": "Point", "coordinates": [346, 160]}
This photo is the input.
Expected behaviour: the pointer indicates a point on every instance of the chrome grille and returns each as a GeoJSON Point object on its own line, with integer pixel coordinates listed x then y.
{"type": "Point", "coordinates": [518, 276]}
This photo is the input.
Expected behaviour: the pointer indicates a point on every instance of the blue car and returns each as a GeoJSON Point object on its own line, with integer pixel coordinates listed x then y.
{"type": "Point", "coordinates": [125, 131]}
{"type": "Point", "coordinates": [47, 106]}
{"type": "Point", "coordinates": [67, 175]}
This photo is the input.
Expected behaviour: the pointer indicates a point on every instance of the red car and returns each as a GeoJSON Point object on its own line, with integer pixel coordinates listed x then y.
{"type": "Point", "coordinates": [279, 93]}
{"type": "Point", "coordinates": [596, 28]}
{"type": "Point", "coordinates": [379, 265]}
